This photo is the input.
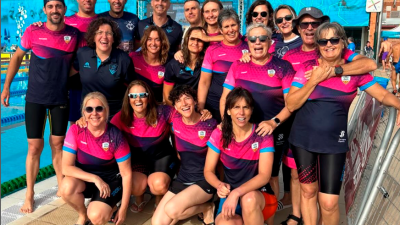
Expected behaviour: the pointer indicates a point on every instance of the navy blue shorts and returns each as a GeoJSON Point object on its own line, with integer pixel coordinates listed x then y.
{"type": "Point", "coordinates": [75, 98]}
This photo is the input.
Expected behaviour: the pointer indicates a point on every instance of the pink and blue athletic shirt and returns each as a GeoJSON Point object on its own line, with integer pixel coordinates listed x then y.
{"type": "Point", "coordinates": [320, 124]}
{"type": "Point", "coordinates": [240, 159]}
{"type": "Point", "coordinates": [267, 83]}
{"type": "Point", "coordinates": [152, 140]}
{"type": "Point", "coordinates": [283, 46]}
{"type": "Point", "coordinates": [152, 75]}
{"type": "Point", "coordinates": [217, 61]}
{"type": "Point", "coordinates": [51, 59]}
{"type": "Point", "coordinates": [81, 23]}
{"type": "Point", "coordinates": [297, 56]}
{"type": "Point", "coordinates": [97, 155]}
{"type": "Point", "coordinates": [191, 143]}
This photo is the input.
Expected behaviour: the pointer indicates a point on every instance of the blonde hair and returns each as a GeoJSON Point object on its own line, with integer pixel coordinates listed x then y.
{"type": "Point", "coordinates": [99, 96]}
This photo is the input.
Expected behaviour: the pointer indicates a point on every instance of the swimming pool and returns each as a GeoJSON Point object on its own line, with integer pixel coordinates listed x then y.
{"type": "Point", "coordinates": [14, 145]}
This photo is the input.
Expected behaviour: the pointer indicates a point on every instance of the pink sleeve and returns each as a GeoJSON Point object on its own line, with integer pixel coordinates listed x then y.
{"type": "Point", "coordinates": [123, 151]}
{"type": "Point", "coordinates": [349, 55]}
{"type": "Point", "coordinates": [25, 43]}
{"type": "Point", "coordinates": [288, 78]}
{"type": "Point", "coordinates": [207, 61]}
{"type": "Point", "coordinates": [267, 144]}
{"type": "Point", "coordinates": [116, 121]}
{"type": "Point", "coordinates": [70, 142]}
{"type": "Point", "coordinates": [215, 141]}
{"type": "Point", "coordinates": [299, 80]}
{"type": "Point", "coordinates": [365, 81]}
{"type": "Point", "coordinates": [230, 77]}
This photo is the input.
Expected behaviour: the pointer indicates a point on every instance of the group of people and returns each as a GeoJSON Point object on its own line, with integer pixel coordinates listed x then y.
{"type": "Point", "coordinates": [194, 114]}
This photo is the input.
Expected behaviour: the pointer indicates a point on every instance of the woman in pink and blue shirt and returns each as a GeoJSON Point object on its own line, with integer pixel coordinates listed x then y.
{"type": "Point", "coordinates": [247, 160]}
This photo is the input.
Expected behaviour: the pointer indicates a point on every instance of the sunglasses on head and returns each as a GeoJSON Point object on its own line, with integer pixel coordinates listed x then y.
{"type": "Point", "coordinates": [324, 42]}
{"type": "Point", "coordinates": [263, 14]}
{"type": "Point", "coordinates": [280, 19]}
{"type": "Point", "coordinates": [141, 95]}
{"type": "Point", "coordinates": [262, 38]}
{"type": "Point", "coordinates": [98, 109]}
{"type": "Point", "coordinates": [305, 25]}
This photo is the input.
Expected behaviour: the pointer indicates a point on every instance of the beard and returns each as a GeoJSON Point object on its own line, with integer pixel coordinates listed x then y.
{"type": "Point", "coordinates": [56, 21]}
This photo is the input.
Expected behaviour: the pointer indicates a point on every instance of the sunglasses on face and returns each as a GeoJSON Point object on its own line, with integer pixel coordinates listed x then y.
{"type": "Point", "coordinates": [305, 25]}
{"type": "Point", "coordinates": [141, 95]}
{"type": "Point", "coordinates": [280, 19]}
{"type": "Point", "coordinates": [324, 42]}
{"type": "Point", "coordinates": [195, 39]}
{"type": "Point", "coordinates": [98, 109]}
{"type": "Point", "coordinates": [262, 38]}
{"type": "Point", "coordinates": [263, 14]}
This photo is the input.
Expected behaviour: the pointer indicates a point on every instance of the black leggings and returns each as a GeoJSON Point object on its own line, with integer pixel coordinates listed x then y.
{"type": "Point", "coordinates": [327, 169]}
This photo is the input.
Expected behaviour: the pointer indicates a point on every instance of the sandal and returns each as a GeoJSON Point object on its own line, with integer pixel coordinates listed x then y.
{"type": "Point", "coordinates": [292, 217]}
{"type": "Point", "coordinates": [281, 206]}
{"type": "Point", "coordinates": [138, 208]}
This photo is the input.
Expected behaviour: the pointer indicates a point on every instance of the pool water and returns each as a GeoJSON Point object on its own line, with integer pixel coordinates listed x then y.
{"type": "Point", "coordinates": [14, 144]}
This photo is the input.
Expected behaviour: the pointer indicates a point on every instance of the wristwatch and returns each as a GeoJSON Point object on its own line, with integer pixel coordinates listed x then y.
{"type": "Point", "coordinates": [276, 120]}
{"type": "Point", "coordinates": [338, 70]}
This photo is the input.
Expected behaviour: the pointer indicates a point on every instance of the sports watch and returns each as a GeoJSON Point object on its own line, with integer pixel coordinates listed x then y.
{"type": "Point", "coordinates": [276, 120]}
{"type": "Point", "coordinates": [338, 70]}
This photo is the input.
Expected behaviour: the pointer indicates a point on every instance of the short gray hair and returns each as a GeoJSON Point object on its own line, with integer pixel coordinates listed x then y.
{"type": "Point", "coordinates": [227, 14]}
{"type": "Point", "coordinates": [257, 25]}
{"type": "Point", "coordinates": [337, 29]}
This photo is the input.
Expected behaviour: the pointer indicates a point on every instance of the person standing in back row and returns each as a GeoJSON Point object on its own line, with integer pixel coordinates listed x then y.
{"type": "Point", "coordinates": [53, 46]}
{"type": "Point", "coordinates": [395, 51]}
{"type": "Point", "coordinates": [159, 17]}
{"type": "Point", "coordinates": [127, 23]}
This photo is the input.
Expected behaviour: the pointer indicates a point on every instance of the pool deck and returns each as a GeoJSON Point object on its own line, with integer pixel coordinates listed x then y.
{"type": "Point", "coordinates": [51, 210]}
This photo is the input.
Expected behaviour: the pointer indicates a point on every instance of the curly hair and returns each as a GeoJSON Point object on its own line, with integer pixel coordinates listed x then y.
{"type": "Point", "coordinates": [151, 110]}
{"type": "Point", "coordinates": [227, 128]}
{"type": "Point", "coordinates": [163, 57]}
{"type": "Point", "coordinates": [185, 48]}
{"type": "Point", "coordinates": [94, 27]}
{"type": "Point", "coordinates": [180, 90]}
{"type": "Point", "coordinates": [249, 17]}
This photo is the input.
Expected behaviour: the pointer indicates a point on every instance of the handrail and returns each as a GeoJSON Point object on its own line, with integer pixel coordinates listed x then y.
{"type": "Point", "coordinates": [385, 165]}
{"type": "Point", "coordinates": [381, 151]}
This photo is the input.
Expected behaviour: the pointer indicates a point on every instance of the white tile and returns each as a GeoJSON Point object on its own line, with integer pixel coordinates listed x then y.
{"type": "Point", "coordinates": [8, 201]}
{"type": "Point", "coordinates": [388, 8]}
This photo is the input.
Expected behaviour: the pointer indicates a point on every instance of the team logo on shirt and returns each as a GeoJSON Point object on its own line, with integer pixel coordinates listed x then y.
{"type": "Point", "coordinates": [169, 29]}
{"type": "Point", "coordinates": [346, 79]}
{"type": "Point", "coordinates": [105, 146]}
{"type": "Point", "coordinates": [129, 25]}
{"type": "Point", "coordinates": [202, 134]}
{"type": "Point", "coordinates": [271, 73]}
{"type": "Point", "coordinates": [254, 146]}
{"type": "Point", "coordinates": [87, 65]}
{"type": "Point", "coordinates": [160, 74]}
{"type": "Point", "coordinates": [342, 136]}
{"type": "Point", "coordinates": [244, 51]}
{"type": "Point", "coordinates": [67, 39]}
{"type": "Point", "coordinates": [113, 68]}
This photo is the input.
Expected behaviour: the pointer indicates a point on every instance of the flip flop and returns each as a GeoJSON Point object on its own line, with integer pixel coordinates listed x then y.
{"type": "Point", "coordinates": [140, 207]}
{"type": "Point", "coordinates": [281, 206]}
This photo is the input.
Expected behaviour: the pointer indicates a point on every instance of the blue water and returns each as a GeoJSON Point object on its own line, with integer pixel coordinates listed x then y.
{"type": "Point", "coordinates": [14, 144]}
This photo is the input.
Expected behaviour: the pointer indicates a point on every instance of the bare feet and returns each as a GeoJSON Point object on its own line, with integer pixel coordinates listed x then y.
{"type": "Point", "coordinates": [27, 207]}
{"type": "Point", "coordinates": [58, 193]}
{"type": "Point", "coordinates": [81, 219]}
{"type": "Point", "coordinates": [208, 215]}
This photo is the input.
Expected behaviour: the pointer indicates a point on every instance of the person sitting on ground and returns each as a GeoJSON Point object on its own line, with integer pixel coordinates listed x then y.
{"type": "Point", "coordinates": [247, 158]}
{"type": "Point", "coordinates": [189, 193]}
{"type": "Point", "coordinates": [96, 163]}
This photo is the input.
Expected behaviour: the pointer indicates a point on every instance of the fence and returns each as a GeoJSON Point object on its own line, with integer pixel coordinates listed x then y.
{"type": "Point", "coordinates": [381, 174]}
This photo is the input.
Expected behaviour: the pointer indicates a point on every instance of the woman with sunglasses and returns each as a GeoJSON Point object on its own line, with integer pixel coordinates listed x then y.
{"type": "Point", "coordinates": [283, 17]}
{"type": "Point", "coordinates": [322, 105]}
{"type": "Point", "coordinates": [187, 73]}
{"type": "Point", "coordinates": [146, 126]}
{"type": "Point", "coordinates": [309, 19]}
{"type": "Point", "coordinates": [102, 66]}
{"type": "Point", "coordinates": [246, 196]}
{"type": "Point", "coordinates": [217, 61]}
{"type": "Point", "coordinates": [269, 91]}
{"type": "Point", "coordinates": [189, 193]}
{"type": "Point", "coordinates": [96, 163]}
{"type": "Point", "coordinates": [151, 59]}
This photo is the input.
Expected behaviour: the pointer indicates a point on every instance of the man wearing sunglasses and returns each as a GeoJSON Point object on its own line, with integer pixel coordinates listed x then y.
{"type": "Point", "coordinates": [309, 19]}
